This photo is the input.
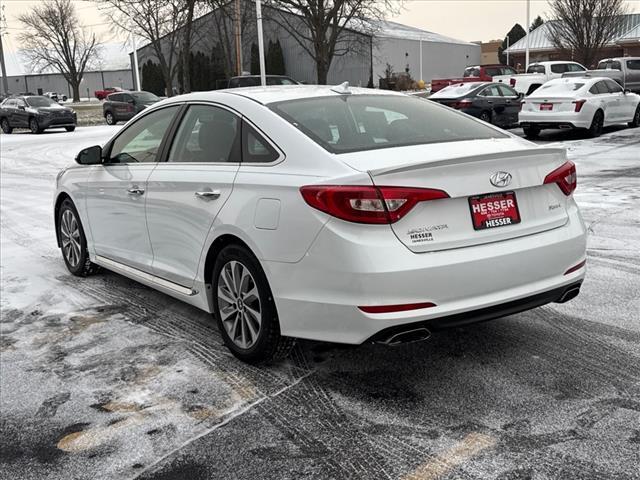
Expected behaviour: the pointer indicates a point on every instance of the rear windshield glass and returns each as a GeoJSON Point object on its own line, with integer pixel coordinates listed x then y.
{"type": "Point", "coordinates": [145, 97]}
{"type": "Point", "coordinates": [472, 72]}
{"type": "Point", "coordinates": [609, 65]}
{"type": "Point", "coordinates": [39, 102]}
{"type": "Point", "coordinates": [353, 123]}
{"type": "Point", "coordinates": [535, 69]}
{"type": "Point", "coordinates": [455, 91]}
{"type": "Point", "coordinates": [564, 87]}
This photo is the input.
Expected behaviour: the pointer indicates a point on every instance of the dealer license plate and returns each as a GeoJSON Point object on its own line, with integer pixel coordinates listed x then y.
{"type": "Point", "coordinates": [493, 210]}
{"type": "Point", "coordinates": [546, 106]}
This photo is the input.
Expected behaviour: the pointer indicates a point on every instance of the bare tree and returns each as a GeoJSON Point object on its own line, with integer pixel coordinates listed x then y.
{"type": "Point", "coordinates": [324, 28]}
{"type": "Point", "coordinates": [53, 38]}
{"type": "Point", "coordinates": [158, 22]}
{"type": "Point", "coordinates": [581, 28]}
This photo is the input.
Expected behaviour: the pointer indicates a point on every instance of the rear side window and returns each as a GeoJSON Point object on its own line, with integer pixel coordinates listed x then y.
{"type": "Point", "coordinates": [255, 148]}
{"type": "Point", "coordinates": [508, 71]}
{"type": "Point", "coordinates": [491, 91]}
{"type": "Point", "coordinates": [207, 134]}
{"type": "Point", "coordinates": [613, 87]}
{"type": "Point", "coordinates": [599, 88]}
{"type": "Point", "coordinates": [507, 91]}
{"type": "Point", "coordinates": [492, 71]}
{"type": "Point", "coordinates": [535, 69]}
{"type": "Point", "coordinates": [633, 64]}
{"type": "Point", "coordinates": [353, 123]}
{"type": "Point", "coordinates": [574, 67]}
{"type": "Point", "coordinates": [140, 142]}
{"type": "Point", "coordinates": [613, 65]}
{"type": "Point", "coordinates": [559, 68]}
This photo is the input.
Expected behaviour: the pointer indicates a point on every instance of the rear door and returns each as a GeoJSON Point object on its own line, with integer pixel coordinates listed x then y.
{"type": "Point", "coordinates": [512, 104]}
{"type": "Point", "coordinates": [633, 75]}
{"type": "Point", "coordinates": [185, 193]}
{"type": "Point", "coordinates": [491, 100]}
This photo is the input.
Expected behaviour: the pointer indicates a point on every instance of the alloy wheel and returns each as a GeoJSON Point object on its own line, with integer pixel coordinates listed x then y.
{"type": "Point", "coordinates": [33, 125]}
{"type": "Point", "coordinates": [70, 233]}
{"type": "Point", "coordinates": [239, 304]}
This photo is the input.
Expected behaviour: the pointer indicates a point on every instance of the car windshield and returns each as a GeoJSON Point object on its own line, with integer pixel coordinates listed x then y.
{"type": "Point", "coordinates": [535, 69]}
{"type": "Point", "coordinates": [455, 91]}
{"type": "Point", "coordinates": [39, 102]}
{"type": "Point", "coordinates": [352, 123]}
{"type": "Point", "coordinates": [561, 87]}
{"type": "Point", "coordinates": [145, 97]}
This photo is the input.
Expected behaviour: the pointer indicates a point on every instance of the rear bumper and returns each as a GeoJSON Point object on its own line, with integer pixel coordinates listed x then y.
{"type": "Point", "coordinates": [555, 120]}
{"type": "Point", "coordinates": [317, 298]}
{"type": "Point", "coordinates": [550, 125]}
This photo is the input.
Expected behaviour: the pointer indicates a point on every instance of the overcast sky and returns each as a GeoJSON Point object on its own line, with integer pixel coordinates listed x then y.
{"type": "Point", "coordinates": [463, 19]}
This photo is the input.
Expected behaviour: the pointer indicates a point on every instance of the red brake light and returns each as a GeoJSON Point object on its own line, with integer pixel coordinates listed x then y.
{"type": "Point", "coordinates": [462, 104]}
{"type": "Point", "coordinates": [575, 268]}
{"type": "Point", "coordinates": [512, 82]}
{"type": "Point", "coordinates": [396, 308]}
{"type": "Point", "coordinates": [367, 204]}
{"type": "Point", "coordinates": [565, 176]}
{"type": "Point", "coordinates": [578, 104]}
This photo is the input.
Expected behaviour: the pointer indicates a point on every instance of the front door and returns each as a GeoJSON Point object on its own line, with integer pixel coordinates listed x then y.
{"type": "Point", "coordinates": [19, 116]}
{"type": "Point", "coordinates": [185, 193]}
{"type": "Point", "coordinates": [117, 191]}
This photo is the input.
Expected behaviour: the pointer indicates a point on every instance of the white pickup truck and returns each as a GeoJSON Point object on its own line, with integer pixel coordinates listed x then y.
{"type": "Point", "coordinates": [538, 74]}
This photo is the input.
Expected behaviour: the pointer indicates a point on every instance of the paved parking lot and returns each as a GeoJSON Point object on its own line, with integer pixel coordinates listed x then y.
{"type": "Point", "coordinates": [102, 378]}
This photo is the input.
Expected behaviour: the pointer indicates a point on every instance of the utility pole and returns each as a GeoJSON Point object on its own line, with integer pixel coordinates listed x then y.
{"type": "Point", "coordinates": [526, 59]}
{"type": "Point", "coordinates": [421, 77]}
{"type": "Point", "coordinates": [5, 80]}
{"type": "Point", "coordinates": [263, 69]}
{"type": "Point", "coordinates": [238, 34]}
{"type": "Point", "coordinates": [136, 71]}
{"type": "Point", "coordinates": [508, 42]}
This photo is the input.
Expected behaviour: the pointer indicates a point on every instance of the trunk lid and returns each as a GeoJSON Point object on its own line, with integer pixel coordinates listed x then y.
{"type": "Point", "coordinates": [549, 104]}
{"type": "Point", "coordinates": [463, 170]}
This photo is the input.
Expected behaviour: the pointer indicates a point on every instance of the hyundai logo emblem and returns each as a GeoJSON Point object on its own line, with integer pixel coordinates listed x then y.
{"type": "Point", "coordinates": [500, 179]}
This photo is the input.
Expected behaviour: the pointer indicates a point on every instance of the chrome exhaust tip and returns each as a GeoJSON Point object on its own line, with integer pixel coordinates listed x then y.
{"type": "Point", "coordinates": [569, 295]}
{"type": "Point", "coordinates": [408, 336]}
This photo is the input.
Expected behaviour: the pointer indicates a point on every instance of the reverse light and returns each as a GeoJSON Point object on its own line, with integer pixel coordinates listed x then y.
{"type": "Point", "coordinates": [367, 204]}
{"type": "Point", "coordinates": [396, 308]}
{"type": "Point", "coordinates": [575, 268]}
{"type": "Point", "coordinates": [578, 104]}
{"type": "Point", "coordinates": [565, 176]}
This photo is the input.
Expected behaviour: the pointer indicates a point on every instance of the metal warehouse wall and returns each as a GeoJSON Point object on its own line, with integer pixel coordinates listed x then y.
{"type": "Point", "coordinates": [55, 82]}
{"type": "Point", "coordinates": [439, 60]}
{"type": "Point", "coordinates": [354, 67]}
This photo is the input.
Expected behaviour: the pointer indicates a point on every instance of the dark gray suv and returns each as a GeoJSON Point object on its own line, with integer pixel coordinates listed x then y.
{"type": "Point", "coordinates": [36, 113]}
{"type": "Point", "coordinates": [125, 105]}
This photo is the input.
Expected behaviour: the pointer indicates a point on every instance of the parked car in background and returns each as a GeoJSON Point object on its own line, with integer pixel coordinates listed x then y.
{"type": "Point", "coordinates": [588, 103]}
{"type": "Point", "coordinates": [36, 113]}
{"type": "Point", "coordinates": [123, 106]}
{"type": "Point", "coordinates": [624, 70]}
{"type": "Point", "coordinates": [102, 94]}
{"type": "Point", "coordinates": [329, 213]}
{"type": "Point", "coordinates": [477, 73]}
{"type": "Point", "coordinates": [494, 103]}
{"type": "Point", "coordinates": [538, 74]}
{"type": "Point", "coordinates": [254, 81]}
{"type": "Point", "coordinates": [55, 96]}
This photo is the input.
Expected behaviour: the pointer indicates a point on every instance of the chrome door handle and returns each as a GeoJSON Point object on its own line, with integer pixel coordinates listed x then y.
{"type": "Point", "coordinates": [208, 195]}
{"type": "Point", "coordinates": [135, 191]}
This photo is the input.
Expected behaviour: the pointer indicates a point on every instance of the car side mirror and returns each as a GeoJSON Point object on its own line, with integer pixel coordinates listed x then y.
{"type": "Point", "coordinates": [90, 156]}
{"type": "Point", "coordinates": [21, 107]}
{"type": "Point", "coordinates": [626, 90]}
{"type": "Point", "coordinates": [520, 95]}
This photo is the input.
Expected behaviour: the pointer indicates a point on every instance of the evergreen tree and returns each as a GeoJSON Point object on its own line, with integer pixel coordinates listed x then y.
{"type": "Point", "coordinates": [152, 79]}
{"type": "Point", "coordinates": [255, 60]}
{"type": "Point", "coordinates": [516, 33]}
{"type": "Point", "coordinates": [536, 23]}
{"type": "Point", "coordinates": [275, 59]}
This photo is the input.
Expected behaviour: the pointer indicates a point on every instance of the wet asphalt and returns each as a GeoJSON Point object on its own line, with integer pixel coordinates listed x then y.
{"type": "Point", "coordinates": [102, 378]}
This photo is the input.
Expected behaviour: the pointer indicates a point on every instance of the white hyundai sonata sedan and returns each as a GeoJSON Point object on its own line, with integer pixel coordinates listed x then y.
{"type": "Point", "coordinates": [579, 102]}
{"type": "Point", "coordinates": [335, 214]}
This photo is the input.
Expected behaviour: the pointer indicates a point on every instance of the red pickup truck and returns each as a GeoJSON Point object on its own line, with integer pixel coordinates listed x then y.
{"type": "Point", "coordinates": [102, 94]}
{"type": "Point", "coordinates": [476, 73]}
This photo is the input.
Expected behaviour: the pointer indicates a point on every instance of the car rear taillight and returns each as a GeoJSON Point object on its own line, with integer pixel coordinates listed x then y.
{"type": "Point", "coordinates": [578, 104]}
{"type": "Point", "coordinates": [512, 82]}
{"type": "Point", "coordinates": [565, 176]}
{"type": "Point", "coordinates": [396, 308]}
{"type": "Point", "coordinates": [462, 104]}
{"type": "Point", "coordinates": [367, 204]}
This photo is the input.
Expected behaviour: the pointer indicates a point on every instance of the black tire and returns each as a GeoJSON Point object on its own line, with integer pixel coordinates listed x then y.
{"type": "Point", "coordinates": [70, 129]}
{"type": "Point", "coordinates": [78, 262]}
{"type": "Point", "coordinates": [597, 124]}
{"type": "Point", "coordinates": [110, 118]}
{"type": "Point", "coordinates": [266, 344]}
{"type": "Point", "coordinates": [635, 123]}
{"type": "Point", "coordinates": [486, 116]}
{"type": "Point", "coordinates": [531, 131]}
{"type": "Point", "coordinates": [6, 128]}
{"type": "Point", "coordinates": [34, 127]}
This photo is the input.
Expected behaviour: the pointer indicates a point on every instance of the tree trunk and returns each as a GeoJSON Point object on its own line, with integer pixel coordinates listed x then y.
{"type": "Point", "coordinates": [75, 87]}
{"type": "Point", "coordinates": [186, 48]}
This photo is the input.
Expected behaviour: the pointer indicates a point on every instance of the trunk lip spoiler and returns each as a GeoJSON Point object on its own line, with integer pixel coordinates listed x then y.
{"type": "Point", "coordinates": [484, 157]}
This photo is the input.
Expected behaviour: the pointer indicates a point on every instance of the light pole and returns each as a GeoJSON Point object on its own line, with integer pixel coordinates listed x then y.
{"type": "Point", "coordinates": [136, 71]}
{"type": "Point", "coordinates": [5, 80]}
{"type": "Point", "coordinates": [526, 56]}
{"type": "Point", "coordinates": [263, 72]}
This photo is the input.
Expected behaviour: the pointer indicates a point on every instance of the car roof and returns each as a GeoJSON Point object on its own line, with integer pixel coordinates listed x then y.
{"type": "Point", "coordinates": [280, 93]}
